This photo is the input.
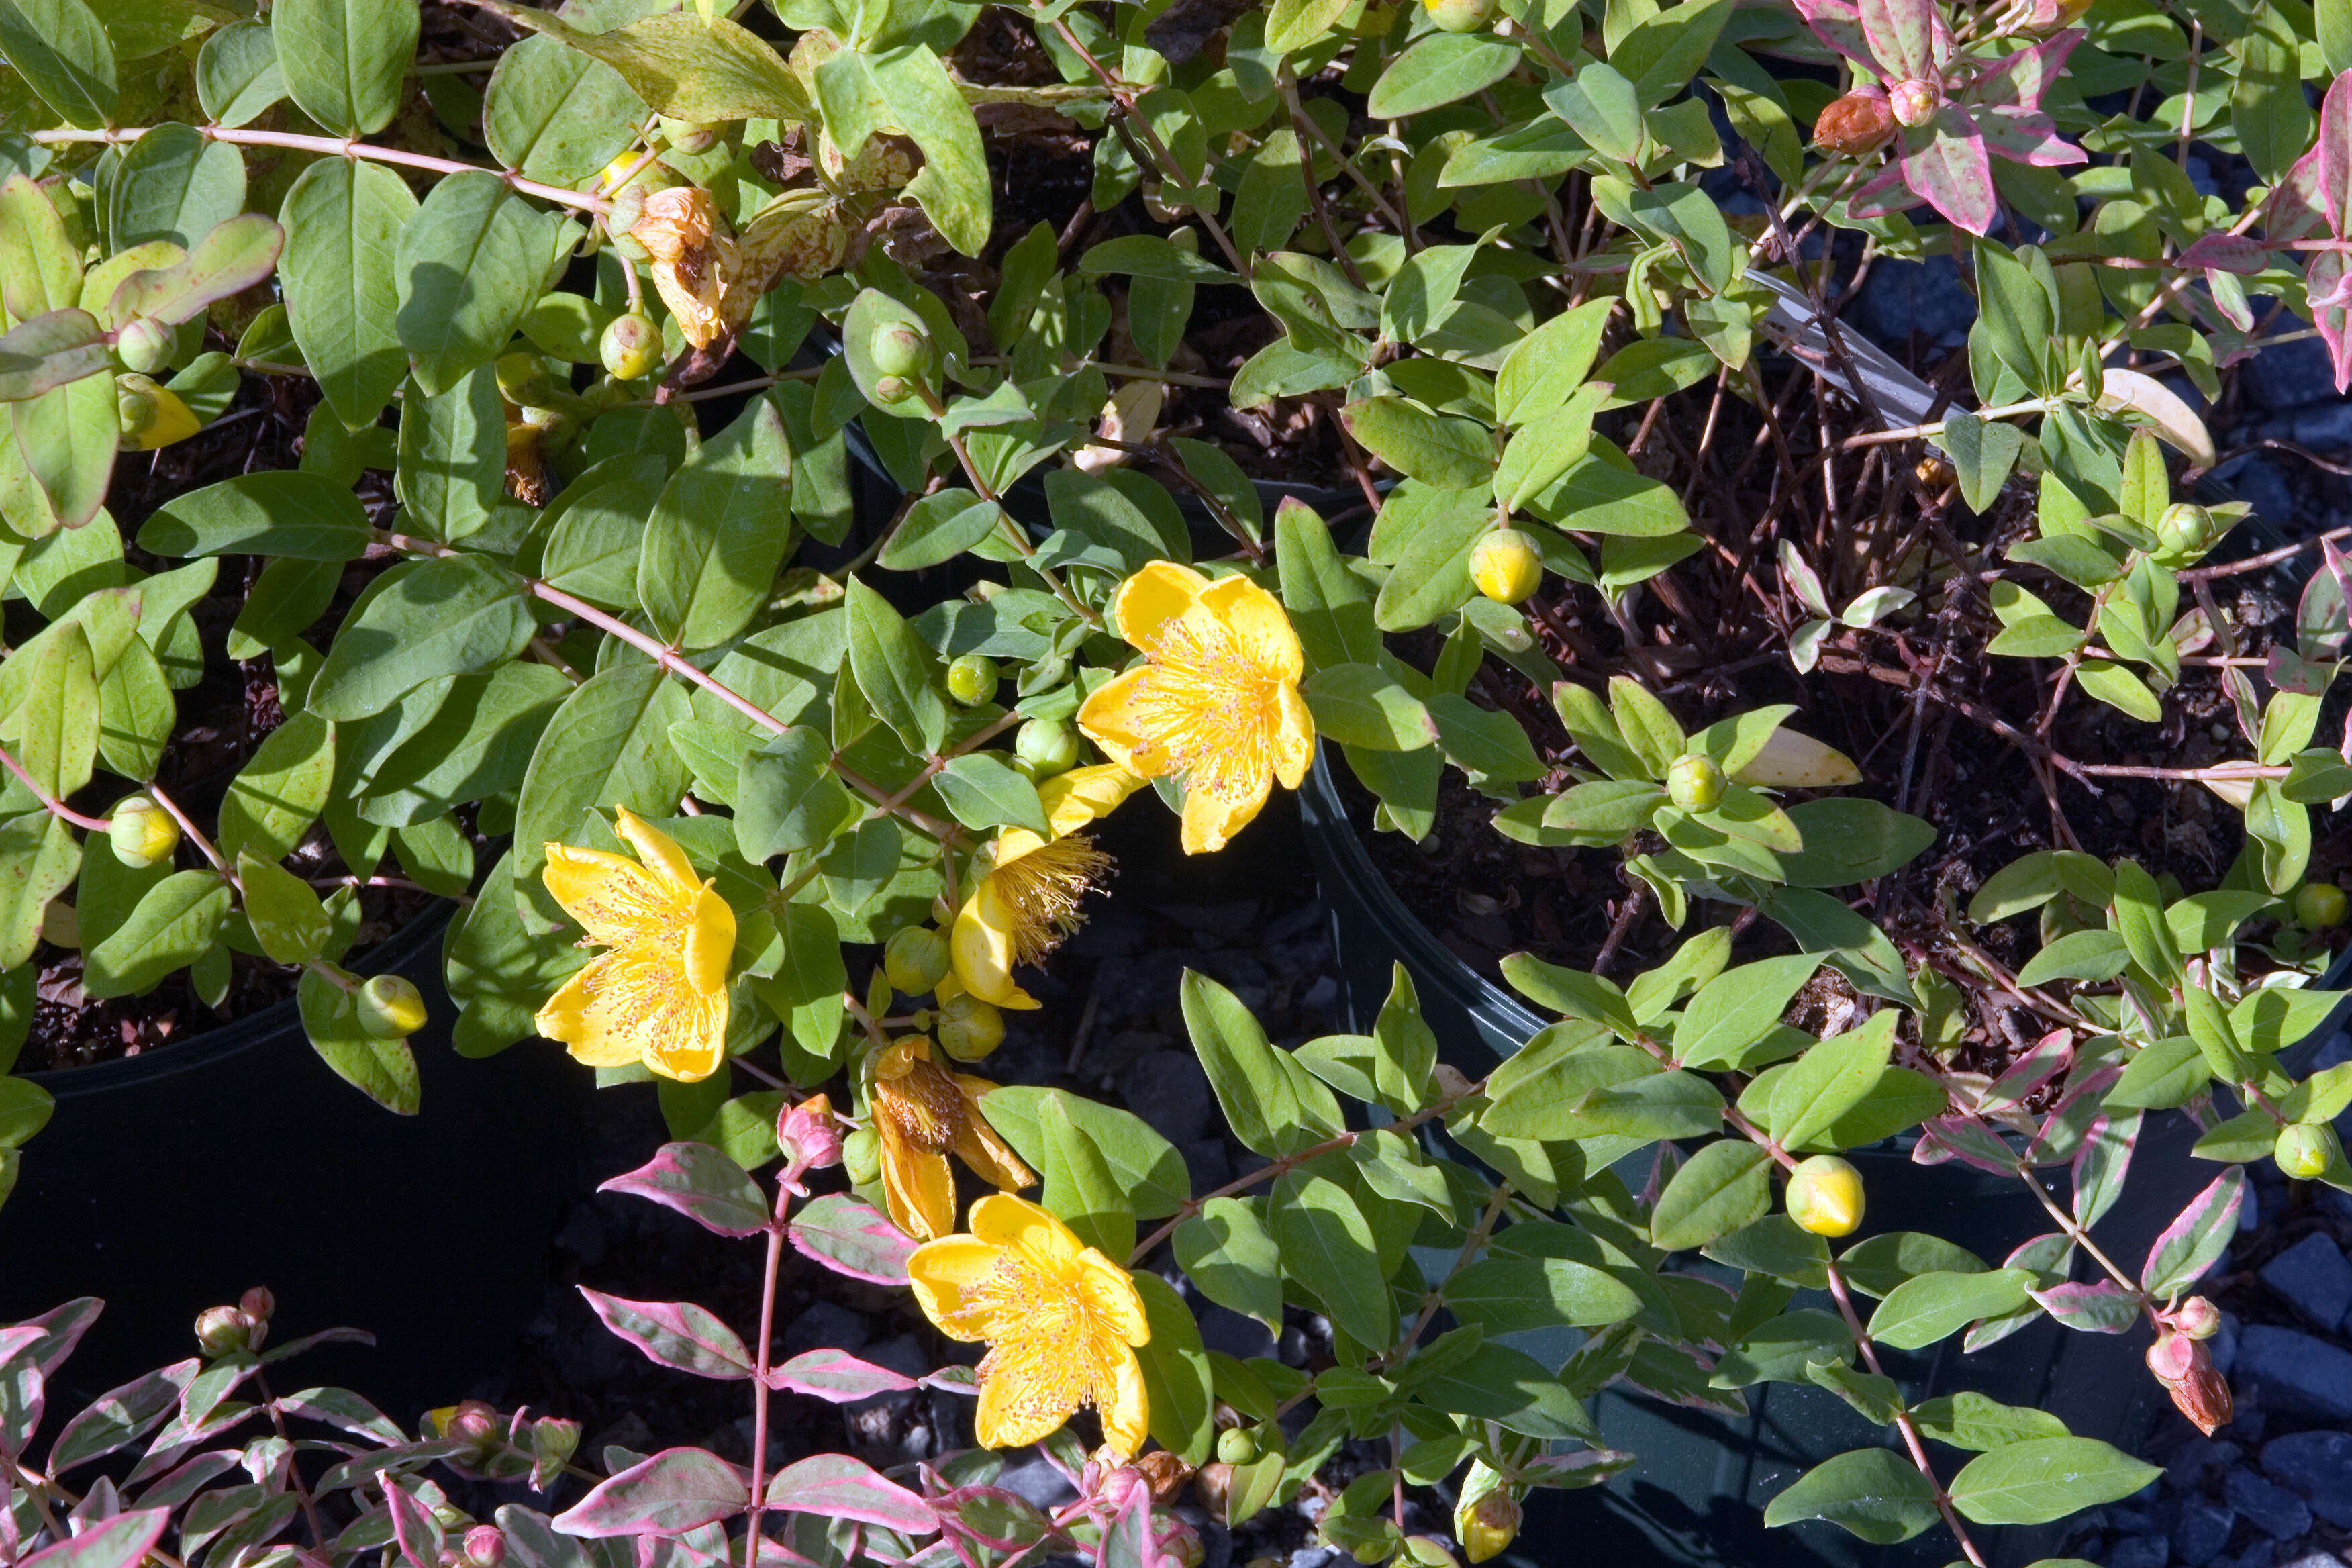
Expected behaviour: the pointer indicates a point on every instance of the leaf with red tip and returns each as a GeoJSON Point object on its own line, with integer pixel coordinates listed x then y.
{"type": "Point", "coordinates": [2194, 1240]}
{"type": "Point", "coordinates": [837, 1375]}
{"type": "Point", "coordinates": [2026, 136]}
{"type": "Point", "coordinates": [2102, 1164]}
{"type": "Point", "coordinates": [233, 256]}
{"type": "Point", "coordinates": [700, 1183]}
{"type": "Point", "coordinates": [2335, 148]}
{"type": "Point", "coordinates": [119, 1416]}
{"type": "Point", "coordinates": [117, 1543]}
{"type": "Point", "coordinates": [2227, 253]}
{"type": "Point", "coordinates": [674, 1491]}
{"type": "Point", "coordinates": [1965, 1138]}
{"type": "Point", "coordinates": [2104, 1308]}
{"type": "Point", "coordinates": [837, 1485]}
{"type": "Point", "coordinates": [2327, 278]}
{"type": "Point", "coordinates": [413, 1526]}
{"type": "Point", "coordinates": [1838, 23]}
{"type": "Point", "coordinates": [853, 1238]}
{"type": "Point", "coordinates": [675, 1335]}
{"type": "Point", "coordinates": [2021, 79]}
{"type": "Point", "coordinates": [1952, 173]}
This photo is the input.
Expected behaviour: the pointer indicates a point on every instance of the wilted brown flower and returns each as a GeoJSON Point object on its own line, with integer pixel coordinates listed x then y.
{"type": "Point", "coordinates": [1854, 125]}
{"type": "Point", "coordinates": [1167, 1473]}
{"type": "Point", "coordinates": [2186, 1369]}
{"type": "Point", "coordinates": [694, 259]}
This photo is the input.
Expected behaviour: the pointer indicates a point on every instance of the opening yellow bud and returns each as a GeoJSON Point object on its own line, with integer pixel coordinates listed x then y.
{"type": "Point", "coordinates": [1825, 1195]}
{"type": "Point", "coordinates": [390, 1007]}
{"type": "Point", "coordinates": [2306, 1150]}
{"type": "Point", "coordinates": [1694, 782]}
{"type": "Point", "coordinates": [1507, 566]}
{"type": "Point", "coordinates": [142, 832]}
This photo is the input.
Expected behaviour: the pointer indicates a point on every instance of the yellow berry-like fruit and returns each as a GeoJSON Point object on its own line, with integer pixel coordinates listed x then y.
{"type": "Point", "coordinates": [2318, 905]}
{"type": "Point", "coordinates": [2306, 1150]}
{"type": "Point", "coordinates": [144, 344]}
{"type": "Point", "coordinates": [969, 1028]}
{"type": "Point", "coordinates": [1825, 1195]}
{"type": "Point", "coordinates": [1460, 16]}
{"type": "Point", "coordinates": [390, 1007]}
{"type": "Point", "coordinates": [1693, 782]}
{"type": "Point", "coordinates": [916, 959]}
{"type": "Point", "coordinates": [142, 832]}
{"type": "Point", "coordinates": [973, 678]}
{"type": "Point", "coordinates": [1048, 746]}
{"type": "Point", "coordinates": [630, 346]}
{"type": "Point", "coordinates": [1507, 566]}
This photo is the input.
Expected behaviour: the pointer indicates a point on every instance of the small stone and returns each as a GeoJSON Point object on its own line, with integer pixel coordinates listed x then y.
{"type": "Point", "coordinates": [1039, 1482]}
{"type": "Point", "coordinates": [2202, 1531]}
{"type": "Point", "coordinates": [2296, 1372]}
{"type": "Point", "coordinates": [2319, 1465]}
{"type": "Point", "coordinates": [2275, 1510]}
{"type": "Point", "coordinates": [1314, 1557]}
{"type": "Point", "coordinates": [2289, 376]}
{"type": "Point", "coordinates": [2313, 1278]}
{"type": "Point", "coordinates": [1235, 1334]}
{"type": "Point", "coordinates": [2223, 1346]}
{"type": "Point", "coordinates": [2260, 1555]}
{"type": "Point", "coordinates": [2326, 427]}
{"type": "Point", "coordinates": [2140, 1551]}
{"type": "Point", "coordinates": [825, 1326]}
{"type": "Point", "coordinates": [1208, 1164]}
{"type": "Point", "coordinates": [1168, 1089]}
{"type": "Point", "coordinates": [2316, 1560]}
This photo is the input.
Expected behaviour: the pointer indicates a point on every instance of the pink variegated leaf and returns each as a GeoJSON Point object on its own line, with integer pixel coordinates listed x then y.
{"type": "Point", "coordinates": [121, 1416]}
{"type": "Point", "coordinates": [61, 1330]}
{"type": "Point", "coordinates": [1838, 23]}
{"type": "Point", "coordinates": [2325, 279]}
{"type": "Point", "coordinates": [2026, 136]}
{"type": "Point", "coordinates": [14, 1341]}
{"type": "Point", "coordinates": [1901, 36]}
{"type": "Point", "coordinates": [2192, 1243]}
{"type": "Point", "coordinates": [117, 1542]}
{"type": "Point", "coordinates": [2101, 1308]}
{"type": "Point", "coordinates": [1970, 1142]}
{"type": "Point", "coordinates": [992, 1517]}
{"type": "Point", "coordinates": [1884, 195]}
{"type": "Point", "coordinates": [675, 1335]}
{"type": "Point", "coordinates": [1951, 172]}
{"type": "Point", "coordinates": [843, 1488]}
{"type": "Point", "coordinates": [2334, 149]}
{"type": "Point", "coordinates": [2102, 1164]}
{"type": "Point", "coordinates": [700, 1183]}
{"type": "Point", "coordinates": [2052, 1054]}
{"type": "Point", "coordinates": [853, 1238]}
{"type": "Point", "coordinates": [414, 1527]}
{"type": "Point", "coordinates": [670, 1493]}
{"type": "Point", "coordinates": [838, 1376]}
{"type": "Point", "coordinates": [2019, 80]}
{"type": "Point", "coordinates": [2064, 1126]}
{"type": "Point", "coordinates": [2327, 286]}
{"type": "Point", "coordinates": [2227, 253]}
{"type": "Point", "coordinates": [2294, 211]}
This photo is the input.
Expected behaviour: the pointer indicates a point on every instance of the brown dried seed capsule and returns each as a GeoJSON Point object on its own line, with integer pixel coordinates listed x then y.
{"type": "Point", "coordinates": [1854, 125]}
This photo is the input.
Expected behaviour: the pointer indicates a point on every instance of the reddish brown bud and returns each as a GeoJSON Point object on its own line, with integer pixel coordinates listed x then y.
{"type": "Point", "coordinates": [2186, 1369]}
{"type": "Point", "coordinates": [810, 1135]}
{"type": "Point", "coordinates": [1914, 102]}
{"type": "Point", "coordinates": [1165, 1472]}
{"type": "Point", "coordinates": [1854, 125]}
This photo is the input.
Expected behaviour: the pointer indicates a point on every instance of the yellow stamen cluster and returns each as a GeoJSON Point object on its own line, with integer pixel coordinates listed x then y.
{"type": "Point", "coordinates": [1042, 891]}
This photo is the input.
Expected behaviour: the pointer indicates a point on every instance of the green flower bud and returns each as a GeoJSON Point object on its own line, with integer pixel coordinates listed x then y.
{"type": "Point", "coordinates": [2306, 1150]}
{"type": "Point", "coordinates": [390, 1008]}
{"type": "Point", "coordinates": [687, 136]}
{"type": "Point", "coordinates": [144, 344]}
{"type": "Point", "coordinates": [1825, 1195]}
{"type": "Point", "coordinates": [142, 832]}
{"type": "Point", "coordinates": [1236, 1447]}
{"type": "Point", "coordinates": [628, 206]}
{"type": "Point", "coordinates": [2185, 529]}
{"type": "Point", "coordinates": [892, 389]}
{"type": "Point", "coordinates": [969, 1028]}
{"type": "Point", "coordinates": [630, 347]}
{"type": "Point", "coordinates": [1914, 102]}
{"type": "Point", "coordinates": [1048, 745]}
{"type": "Point", "coordinates": [973, 678]}
{"type": "Point", "coordinates": [1507, 566]}
{"type": "Point", "coordinates": [2318, 905]}
{"type": "Point", "coordinates": [136, 409]}
{"type": "Point", "coordinates": [1695, 782]}
{"type": "Point", "coordinates": [902, 348]}
{"type": "Point", "coordinates": [916, 959]}
{"type": "Point", "coordinates": [223, 1331]}
{"type": "Point", "coordinates": [1460, 16]}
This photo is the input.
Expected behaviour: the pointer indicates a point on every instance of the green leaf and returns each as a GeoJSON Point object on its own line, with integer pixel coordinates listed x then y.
{"type": "Point", "coordinates": [1258, 1094]}
{"type": "Point", "coordinates": [1434, 532]}
{"type": "Point", "coordinates": [343, 218]}
{"type": "Point", "coordinates": [1876, 1493]}
{"type": "Point", "coordinates": [40, 265]}
{"type": "Point", "coordinates": [470, 264]}
{"type": "Point", "coordinates": [67, 437]}
{"type": "Point", "coordinates": [1148, 1171]}
{"type": "Point", "coordinates": [172, 927]}
{"type": "Point", "coordinates": [289, 921]}
{"type": "Point", "coordinates": [1851, 840]}
{"type": "Point", "coordinates": [2044, 1479]}
{"type": "Point", "coordinates": [237, 77]}
{"type": "Point", "coordinates": [278, 511]}
{"type": "Point", "coordinates": [607, 745]}
{"type": "Point", "coordinates": [344, 59]}
{"type": "Point", "coordinates": [894, 671]}
{"type": "Point", "coordinates": [2091, 955]}
{"type": "Point", "coordinates": [1452, 454]}
{"type": "Point", "coordinates": [1364, 705]}
{"type": "Point", "coordinates": [1079, 1185]}
{"type": "Point", "coordinates": [1547, 366]}
{"type": "Point", "coordinates": [1175, 1371]}
{"type": "Point", "coordinates": [1877, 1266]}
{"type": "Point", "coordinates": [1785, 1350]}
{"type": "Point", "coordinates": [60, 49]}
{"type": "Point", "coordinates": [50, 351]}
{"type": "Point", "coordinates": [706, 71]}
{"type": "Point", "coordinates": [939, 527]}
{"type": "Point", "coordinates": [1719, 1189]}
{"type": "Point", "coordinates": [1738, 1007]}
{"type": "Point", "coordinates": [1328, 1250]}
{"type": "Point", "coordinates": [1232, 1258]}
{"type": "Point", "coordinates": [25, 1110]}
{"type": "Point", "coordinates": [454, 614]}
{"type": "Point", "coordinates": [1292, 24]}
{"type": "Point", "coordinates": [1600, 105]}
{"type": "Point", "coordinates": [1503, 1295]}
{"type": "Point", "coordinates": [1979, 1425]}
{"type": "Point", "coordinates": [174, 183]}
{"type": "Point", "coordinates": [1571, 993]}
{"type": "Point", "coordinates": [383, 1071]}
{"type": "Point", "coordinates": [453, 457]}
{"type": "Point", "coordinates": [278, 794]}
{"type": "Point", "coordinates": [555, 114]}
{"type": "Point", "coordinates": [1926, 1308]}
{"type": "Point", "coordinates": [1499, 1384]}
{"type": "Point", "coordinates": [478, 744]}
{"type": "Point", "coordinates": [57, 726]}
{"type": "Point", "coordinates": [1438, 69]}
{"type": "Point", "coordinates": [952, 186]}
{"type": "Point", "coordinates": [719, 533]}
{"type": "Point", "coordinates": [38, 856]}
{"type": "Point", "coordinates": [1830, 1079]}
{"type": "Point", "coordinates": [787, 796]}
{"type": "Point", "coordinates": [2119, 688]}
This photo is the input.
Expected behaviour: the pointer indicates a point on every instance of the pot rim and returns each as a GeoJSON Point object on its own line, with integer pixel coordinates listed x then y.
{"type": "Point", "coordinates": [237, 1034]}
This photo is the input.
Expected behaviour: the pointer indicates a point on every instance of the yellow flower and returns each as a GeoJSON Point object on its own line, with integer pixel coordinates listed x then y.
{"type": "Point", "coordinates": [919, 1111]}
{"type": "Point", "coordinates": [1060, 1319]}
{"type": "Point", "coordinates": [658, 991]}
{"type": "Point", "coordinates": [1216, 699]}
{"type": "Point", "coordinates": [1025, 897]}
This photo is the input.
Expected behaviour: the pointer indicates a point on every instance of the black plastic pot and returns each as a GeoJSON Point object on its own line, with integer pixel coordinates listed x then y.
{"type": "Point", "coordinates": [1698, 1496]}
{"type": "Point", "coordinates": [171, 1180]}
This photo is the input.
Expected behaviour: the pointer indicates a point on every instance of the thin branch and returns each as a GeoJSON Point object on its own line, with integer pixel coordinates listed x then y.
{"type": "Point", "coordinates": [343, 147]}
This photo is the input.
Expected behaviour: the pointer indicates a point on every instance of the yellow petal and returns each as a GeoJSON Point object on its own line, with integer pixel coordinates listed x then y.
{"type": "Point", "coordinates": [613, 899]}
{"type": "Point", "coordinates": [1110, 721]}
{"type": "Point", "coordinates": [1294, 737]}
{"type": "Point", "coordinates": [174, 421]}
{"type": "Point", "coordinates": [980, 1146]}
{"type": "Point", "coordinates": [1152, 597]}
{"type": "Point", "coordinates": [1011, 1415]}
{"type": "Point", "coordinates": [1257, 620]}
{"type": "Point", "coordinates": [1003, 1220]}
{"type": "Point", "coordinates": [980, 947]}
{"type": "Point", "coordinates": [1210, 822]}
{"type": "Point", "coordinates": [918, 1187]}
{"type": "Point", "coordinates": [900, 1060]}
{"type": "Point", "coordinates": [709, 942]}
{"type": "Point", "coordinates": [690, 1057]}
{"type": "Point", "coordinates": [657, 849]}
{"type": "Point", "coordinates": [1007, 846]}
{"type": "Point", "coordinates": [1074, 798]}
{"type": "Point", "coordinates": [941, 1271]}
{"type": "Point", "coordinates": [1127, 1412]}
{"type": "Point", "coordinates": [569, 1017]}
{"type": "Point", "coordinates": [1110, 1289]}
